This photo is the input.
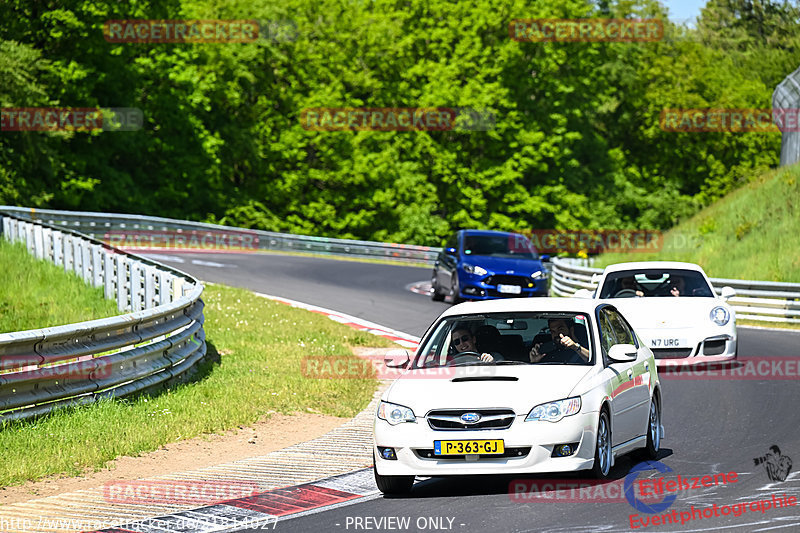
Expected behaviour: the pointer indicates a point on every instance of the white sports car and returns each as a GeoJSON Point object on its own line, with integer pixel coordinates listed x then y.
{"type": "Point", "coordinates": [518, 386]}
{"type": "Point", "coordinates": [673, 306]}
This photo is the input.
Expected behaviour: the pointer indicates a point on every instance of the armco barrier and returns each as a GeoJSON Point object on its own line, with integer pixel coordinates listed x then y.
{"type": "Point", "coordinates": [156, 343]}
{"type": "Point", "coordinates": [98, 224]}
{"type": "Point", "coordinates": [755, 300]}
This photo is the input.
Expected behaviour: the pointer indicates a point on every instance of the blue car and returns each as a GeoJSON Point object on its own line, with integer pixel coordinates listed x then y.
{"type": "Point", "coordinates": [484, 265]}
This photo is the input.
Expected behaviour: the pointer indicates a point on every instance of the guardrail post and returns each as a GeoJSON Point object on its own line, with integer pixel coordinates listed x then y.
{"type": "Point", "coordinates": [86, 261]}
{"type": "Point", "coordinates": [149, 287]}
{"type": "Point", "coordinates": [108, 275]}
{"type": "Point", "coordinates": [164, 287]}
{"type": "Point", "coordinates": [122, 282]}
{"type": "Point", "coordinates": [38, 242]}
{"type": "Point", "coordinates": [136, 286]}
{"type": "Point", "coordinates": [47, 244]}
{"type": "Point", "coordinates": [97, 265]}
{"type": "Point", "coordinates": [29, 237]}
{"type": "Point", "coordinates": [68, 252]}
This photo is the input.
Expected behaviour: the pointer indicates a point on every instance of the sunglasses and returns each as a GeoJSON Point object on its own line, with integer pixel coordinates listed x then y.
{"type": "Point", "coordinates": [462, 340]}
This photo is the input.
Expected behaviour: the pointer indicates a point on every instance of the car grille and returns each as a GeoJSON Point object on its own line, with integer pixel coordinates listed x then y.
{"type": "Point", "coordinates": [450, 419]}
{"type": "Point", "coordinates": [427, 453]}
{"type": "Point", "coordinates": [671, 353]}
{"type": "Point", "coordinates": [713, 347]}
{"type": "Point", "coordinates": [504, 279]}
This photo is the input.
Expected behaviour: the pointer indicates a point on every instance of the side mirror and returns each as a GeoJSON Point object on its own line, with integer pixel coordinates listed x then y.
{"type": "Point", "coordinates": [396, 358]}
{"type": "Point", "coordinates": [544, 258]}
{"type": "Point", "coordinates": [450, 251]}
{"type": "Point", "coordinates": [728, 292]}
{"type": "Point", "coordinates": [596, 278]}
{"type": "Point", "coordinates": [622, 353]}
{"type": "Point", "coordinates": [582, 293]}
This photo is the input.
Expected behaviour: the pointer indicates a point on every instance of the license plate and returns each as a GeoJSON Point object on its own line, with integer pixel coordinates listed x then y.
{"type": "Point", "coordinates": [509, 289]}
{"type": "Point", "coordinates": [466, 447]}
{"type": "Point", "coordinates": [669, 342]}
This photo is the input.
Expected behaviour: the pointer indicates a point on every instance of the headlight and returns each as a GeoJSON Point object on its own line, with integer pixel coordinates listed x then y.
{"type": "Point", "coordinates": [477, 270]}
{"type": "Point", "coordinates": [539, 274]}
{"type": "Point", "coordinates": [555, 411]}
{"type": "Point", "coordinates": [720, 316]}
{"type": "Point", "coordinates": [395, 414]}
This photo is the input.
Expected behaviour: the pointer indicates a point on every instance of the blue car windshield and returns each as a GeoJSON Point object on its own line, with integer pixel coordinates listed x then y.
{"type": "Point", "coordinates": [511, 245]}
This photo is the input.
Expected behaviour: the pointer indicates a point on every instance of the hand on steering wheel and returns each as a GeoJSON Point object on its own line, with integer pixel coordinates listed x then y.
{"type": "Point", "coordinates": [468, 356]}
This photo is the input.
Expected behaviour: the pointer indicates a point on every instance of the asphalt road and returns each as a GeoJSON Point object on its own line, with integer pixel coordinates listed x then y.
{"type": "Point", "coordinates": [712, 426]}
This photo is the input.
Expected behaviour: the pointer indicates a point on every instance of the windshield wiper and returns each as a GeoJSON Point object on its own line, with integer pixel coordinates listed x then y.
{"type": "Point", "coordinates": [510, 362]}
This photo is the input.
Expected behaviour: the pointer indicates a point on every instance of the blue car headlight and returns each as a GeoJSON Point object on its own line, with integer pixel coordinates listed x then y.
{"type": "Point", "coordinates": [539, 274]}
{"type": "Point", "coordinates": [395, 414]}
{"type": "Point", "coordinates": [555, 411]}
{"type": "Point", "coordinates": [477, 270]}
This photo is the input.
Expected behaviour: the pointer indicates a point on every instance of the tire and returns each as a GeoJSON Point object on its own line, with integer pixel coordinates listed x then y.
{"type": "Point", "coordinates": [454, 289]}
{"type": "Point", "coordinates": [602, 448]}
{"type": "Point", "coordinates": [650, 451]}
{"type": "Point", "coordinates": [436, 296]}
{"type": "Point", "coordinates": [392, 485]}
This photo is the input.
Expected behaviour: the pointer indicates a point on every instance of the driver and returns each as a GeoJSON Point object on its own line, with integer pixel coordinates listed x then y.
{"type": "Point", "coordinates": [562, 331]}
{"type": "Point", "coordinates": [629, 284]}
{"type": "Point", "coordinates": [462, 340]}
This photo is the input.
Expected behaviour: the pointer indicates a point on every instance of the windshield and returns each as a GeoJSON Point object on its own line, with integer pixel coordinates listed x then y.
{"type": "Point", "coordinates": [656, 283]}
{"type": "Point", "coordinates": [508, 338]}
{"type": "Point", "coordinates": [511, 245]}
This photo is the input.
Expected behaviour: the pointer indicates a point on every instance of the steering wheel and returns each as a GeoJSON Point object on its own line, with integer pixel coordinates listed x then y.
{"type": "Point", "coordinates": [625, 293]}
{"type": "Point", "coordinates": [468, 356]}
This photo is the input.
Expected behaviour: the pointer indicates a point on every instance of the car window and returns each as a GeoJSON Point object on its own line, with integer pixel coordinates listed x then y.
{"type": "Point", "coordinates": [655, 283]}
{"type": "Point", "coordinates": [507, 337]}
{"type": "Point", "coordinates": [622, 333]}
{"type": "Point", "coordinates": [511, 246]}
{"type": "Point", "coordinates": [607, 337]}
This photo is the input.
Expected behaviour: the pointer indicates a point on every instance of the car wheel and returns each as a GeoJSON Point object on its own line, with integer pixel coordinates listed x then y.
{"type": "Point", "coordinates": [392, 485]}
{"type": "Point", "coordinates": [653, 430]}
{"type": "Point", "coordinates": [436, 296]}
{"type": "Point", "coordinates": [602, 447]}
{"type": "Point", "coordinates": [454, 289]}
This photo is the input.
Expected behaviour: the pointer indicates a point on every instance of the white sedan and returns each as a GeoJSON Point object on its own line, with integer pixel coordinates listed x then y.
{"type": "Point", "coordinates": [673, 306]}
{"type": "Point", "coordinates": [518, 386]}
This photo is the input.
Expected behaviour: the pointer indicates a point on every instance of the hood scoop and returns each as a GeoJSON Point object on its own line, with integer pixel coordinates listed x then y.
{"type": "Point", "coordinates": [484, 378]}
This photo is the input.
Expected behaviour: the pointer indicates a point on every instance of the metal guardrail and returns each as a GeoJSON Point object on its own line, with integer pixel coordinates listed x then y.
{"type": "Point", "coordinates": [755, 300]}
{"type": "Point", "coordinates": [161, 340]}
{"type": "Point", "coordinates": [99, 224]}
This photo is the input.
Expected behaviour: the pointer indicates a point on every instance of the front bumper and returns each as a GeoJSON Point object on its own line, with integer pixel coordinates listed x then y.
{"type": "Point", "coordinates": [700, 347]}
{"type": "Point", "coordinates": [412, 440]}
{"type": "Point", "coordinates": [474, 287]}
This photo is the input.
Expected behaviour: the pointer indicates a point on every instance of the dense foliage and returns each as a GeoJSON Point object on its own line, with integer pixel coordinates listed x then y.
{"type": "Point", "coordinates": [577, 141]}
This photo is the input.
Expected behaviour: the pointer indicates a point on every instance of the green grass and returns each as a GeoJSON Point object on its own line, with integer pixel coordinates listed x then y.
{"type": "Point", "coordinates": [261, 344]}
{"type": "Point", "coordinates": [752, 233]}
{"type": "Point", "coordinates": [36, 294]}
